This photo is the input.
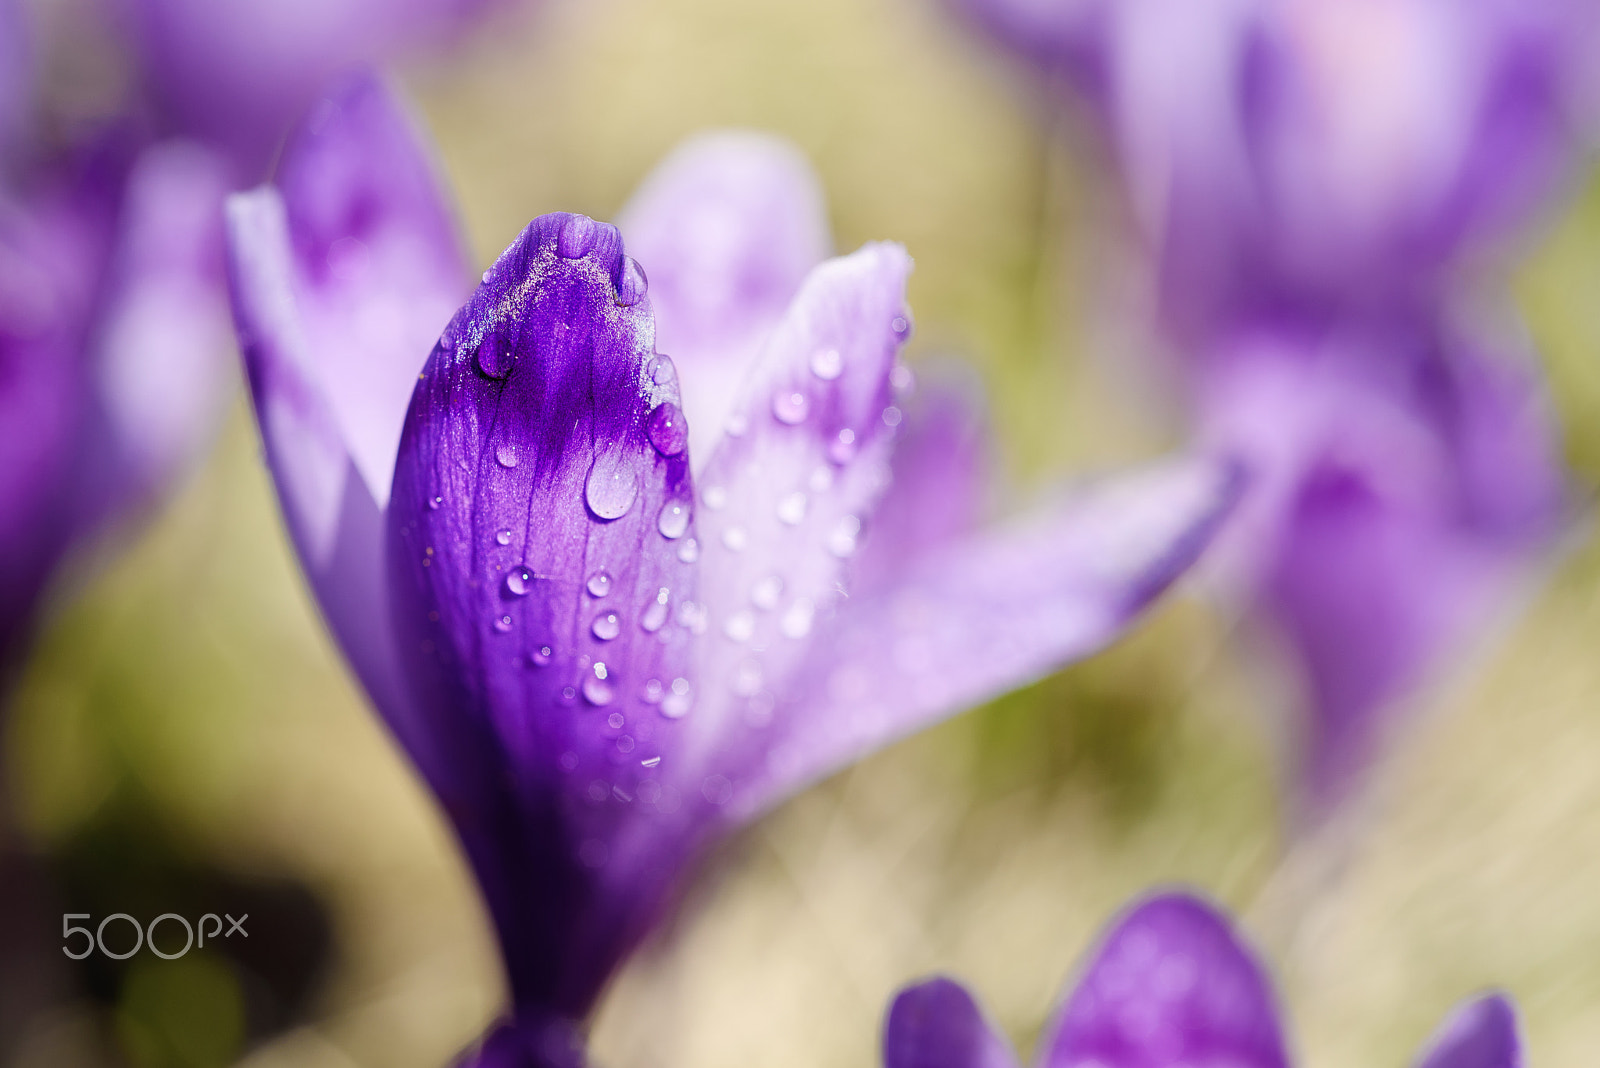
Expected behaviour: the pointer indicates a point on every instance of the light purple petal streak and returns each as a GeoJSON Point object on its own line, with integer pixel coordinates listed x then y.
{"type": "Point", "coordinates": [936, 1024]}
{"type": "Point", "coordinates": [1481, 1033]}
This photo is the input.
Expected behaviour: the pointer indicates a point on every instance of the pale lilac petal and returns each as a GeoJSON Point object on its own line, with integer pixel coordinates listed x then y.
{"type": "Point", "coordinates": [783, 501]}
{"type": "Point", "coordinates": [1482, 1033]}
{"type": "Point", "coordinates": [534, 595]}
{"type": "Point", "coordinates": [728, 226]}
{"type": "Point", "coordinates": [936, 1024]}
{"type": "Point", "coordinates": [989, 613]}
{"type": "Point", "coordinates": [1171, 983]}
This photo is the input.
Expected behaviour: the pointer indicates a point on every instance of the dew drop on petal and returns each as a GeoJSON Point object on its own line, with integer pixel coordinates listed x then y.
{"type": "Point", "coordinates": [662, 370]}
{"type": "Point", "coordinates": [792, 508]}
{"type": "Point", "coordinates": [577, 236]}
{"type": "Point", "coordinates": [740, 626]}
{"type": "Point", "coordinates": [673, 522]}
{"type": "Point", "coordinates": [843, 448]}
{"type": "Point", "coordinates": [827, 364]}
{"type": "Point", "coordinates": [796, 622]}
{"type": "Point", "coordinates": [502, 624]}
{"type": "Point", "coordinates": [486, 276]}
{"type": "Point", "coordinates": [632, 284]}
{"type": "Point", "coordinates": [735, 539]}
{"type": "Point", "coordinates": [611, 486]}
{"type": "Point", "coordinates": [542, 655]}
{"type": "Point", "coordinates": [842, 540]}
{"type": "Point", "coordinates": [716, 497]}
{"type": "Point", "coordinates": [494, 357]}
{"type": "Point", "coordinates": [901, 326]}
{"type": "Point", "coordinates": [597, 692]}
{"type": "Point", "coordinates": [655, 616]}
{"type": "Point", "coordinates": [764, 594]}
{"type": "Point", "coordinates": [615, 721]}
{"type": "Point", "coordinates": [600, 669]}
{"type": "Point", "coordinates": [599, 584]}
{"type": "Point", "coordinates": [519, 582]}
{"type": "Point", "coordinates": [668, 431]}
{"type": "Point", "coordinates": [790, 406]}
{"type": "Point", "coordinates": [434, 503]}
{"type": "Point", "coordinates": [503, 537]}
{"type": "Point", "coordinates": [689, 551]}
{"type": "Point", "coordinates": [653, 691]}
{"type": "Point", "coordinates": [506, 456]}
{"type": "Point", "coordinates": [692, 616]}
{"type": "Point", "coordinates": [606, 626]}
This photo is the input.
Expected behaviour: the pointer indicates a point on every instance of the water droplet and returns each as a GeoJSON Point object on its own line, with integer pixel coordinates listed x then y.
{"type": "Point", "coordinates": [606, 626]}
{"type": "Point", "coordinates": [902, 378]}
{"type": "Point", "coordinates": [435, 503]}
{"type": "Point", "coordinates": [519, 582]}
{"type": "Point", "coordinates": [542, 655]}
{"type": "Point", "coordinates": [716, 497]}
{"type": "Point", "coordinates": [600, 669]}
{"type": "Point", "coordinates": [827, 364]}
{"type": "Point", "coordinates": [486, 275]}
{"type": "Point", "coordinates": [653, 690]}
{"type": "Point", "coordinates": [735, 539]}
{"type": "Point", "coordinates": [611, 485]}
{"type": "Point", "coordinates": [674, 519]}
{"type": "Point", "coordinates": [842, 541]}
{"type": "Point", "coordinates": [502, 623]}
{"type": "Point", "coordinates": [796, 622]}
{"type": "Point", "coordinates": [901, 325]}
{"type": "Point", "coordinates": [599, 584]}
{"type": "Point", "coordinates": [577, 236]}
{"type": "Point", "coordinates": [503, 537]}
{"type": "Point", "coordinates": [676, 704]}
{"type": "Point", "coordinates": [649, 762]}
{"type": "Point", "coordinates": [625, 744]}
{"type": "Point", "coordinates": [668, 431]}
{"type": "Point", "coordinates": [662, 370]}
{"type": "Point", "coordinates": [655, 616]}
{"type": "Point", "coordinates": [892, 416]}
{"type": "Point", "coordinates": [843, 448]}
{"type": "Point", "coordinates": [597, 692]}
{"type": "Point", "coordinates": [495, 358]}
{"type": "Point", "coordinates": [689, 551]}
{"type": "Point", "coordinates": [790, 406]}
{"type": "Point", "coordinates": [506, 456]}
{"type": "Point", "coordinates": [717, 790]}
{"type": "Point", "coordinates": [764, 594]}
{"type": "Point", "coordinates": [821, 480]}
{"type": "Point", "coordinates": [737, 424]}
{"type": "Point", "coordinates": [632, 284]}
{"type": "Point", "coordinates": [740, 626]}
{"type": "Point", "coordinates": [615, 721]}
{"type": "Point", "coordinates": [447, 342]}
{"type": "Point", "coordinates": [792, 509]}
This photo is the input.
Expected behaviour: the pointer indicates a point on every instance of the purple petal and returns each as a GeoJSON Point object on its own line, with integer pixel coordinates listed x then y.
{"type": "Point", "coordinates": [534, 594]}
{"type": "Point", "coordinates": [729, 225]}
{"type": "Point", "coordinates": [936, 1024]}
{"type": "Point", "coordinates": [16, 73]}
{"type": "Point", "coordinates": [1482, 1033]}
{"type": "Point", "coordinates": [785, 496]}
{"type": "Point", "coordinates": [1171, 983]}
{"type": "Point", "coordinates": [990, 613]}
{"type": "Point", "coordinates": [530, 1043]}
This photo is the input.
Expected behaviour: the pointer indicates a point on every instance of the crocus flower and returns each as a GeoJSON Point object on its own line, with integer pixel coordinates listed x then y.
{"type": "Point", "coordinates": [1171, 984]}
{"type": "Point", "coordinates": [603, 652]}
{"type": "Point", "coordinates": [113, 338]}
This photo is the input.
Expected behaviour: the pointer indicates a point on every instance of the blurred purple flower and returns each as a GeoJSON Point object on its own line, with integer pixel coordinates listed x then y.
{"type": "Point", "coordinates": [1171, 984]}
{"type": "Point", "coordinates": [113, 331]}
{"type": "Point", "coordinates": [602, 654]}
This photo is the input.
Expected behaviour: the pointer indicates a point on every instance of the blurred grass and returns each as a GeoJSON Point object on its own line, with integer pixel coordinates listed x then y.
{"type": "Point", "coordinates": [190, 682]}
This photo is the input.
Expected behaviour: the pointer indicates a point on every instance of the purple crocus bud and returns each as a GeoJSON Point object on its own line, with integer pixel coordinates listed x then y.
{"type": "Point", "coordinates": [601, 653]}
{"type": "Point", "coordinates": [1402, 482]}
{"type": "Point", "coordinates": [1172, 983]}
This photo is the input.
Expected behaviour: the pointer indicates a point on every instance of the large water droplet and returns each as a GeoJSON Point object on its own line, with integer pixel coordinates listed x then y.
{"type": "Point", "coordinates": [677, 702]}
{"type": "Point", "coordinates": [674, 519]}
{"type": "Point", "coordinates": [735, 539]}
{"type": "Point", "coordinates": [503, 537]}
{"type": "Point", "coordinates": [519, 582]}
{"type": "Point", "coordinates": [662, 370]}
{"type": "Point", "coordinates": [597, 692]}
{"type": "Point", "coordinates": [796, 622]}
{"type": "Point", "coordinates": [668, 431]}
{"type": "Point", "coordinates": [577, 236]}
{"type": "Point", "coordinates": [827, 364]}
{"type": "Point", "coordinates": [689, 551]}
{"type": "Point", "coordinates": [790, 406]}
{"type": "Point", "coordinates": [506, 455]}
{"type": "Point", "coordinates": [611, 486]}
{"type": "Point", "coordinates": [655, 616]}
{"type": "Point", "coordinates": [606, 626]}
{"type": "Point", "coordinates": [842, 449]}
{"type": "Point", "coordinates": [495, 357]}
{"type": "Point", "coordinates": [764, 594]}
{"type": "Point", "coordinates": [792, 508]}
{"type": "Point", "coordinates": [599, 584]}
{"type": "Point", "coordinates": [632, 285]}
{"type": "Point", "coordinates": [842, 540]}
{"type": "Point", "coordinates": [740, 626]}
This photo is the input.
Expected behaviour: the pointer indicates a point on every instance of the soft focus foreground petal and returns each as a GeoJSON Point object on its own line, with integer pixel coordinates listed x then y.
{"type": "Point", "coordinates": [729, 225]}
{"type": "Point", "coordinates": [165, 338]}
{"type": "Point", "coordinates": [529, 1043]}
{"type": "Point", "coordinates": [784, 498]}
{"type": "Point", "coordinates": [16, 73]}
{"type": "Point", "coordinates": [936, 1024]}
{"type": "Point", "coordinates": [238, 73]}
{"type": "Point", "coordinates": [1172, 983]}
{"type": "Point", "coordinates": [1058, 36]}
{"type": "Point", "coordinates": [534, 592]}
{"type": "Point", "coordinates": [990, 613]}
{"type": "Point", "coordinates": [1481, 1033]}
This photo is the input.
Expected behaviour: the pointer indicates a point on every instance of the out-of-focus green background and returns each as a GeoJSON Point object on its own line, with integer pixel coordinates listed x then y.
{"type": "Point", "coordinates": [186, 722]}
